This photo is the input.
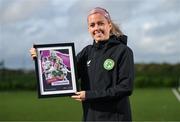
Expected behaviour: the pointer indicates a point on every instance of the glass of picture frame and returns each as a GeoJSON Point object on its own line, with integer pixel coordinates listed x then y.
{"type": "Point", "coordinates": [55, 67]}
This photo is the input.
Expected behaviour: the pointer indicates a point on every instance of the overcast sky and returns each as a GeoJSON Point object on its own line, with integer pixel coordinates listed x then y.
{"type": "Point", "coordinates": [152, 27]}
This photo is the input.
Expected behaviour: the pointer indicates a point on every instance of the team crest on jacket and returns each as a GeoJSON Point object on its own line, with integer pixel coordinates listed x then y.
{"type": "Point", "coordinates": [108, 64]}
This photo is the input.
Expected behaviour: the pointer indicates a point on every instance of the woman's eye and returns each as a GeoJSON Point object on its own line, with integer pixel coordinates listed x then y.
{"type": "Point", "coordinates": [100, 23]}
{"type": "Point", "coordinates": [91, 25]}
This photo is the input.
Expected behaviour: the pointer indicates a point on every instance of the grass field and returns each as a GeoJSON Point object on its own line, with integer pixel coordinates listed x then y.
{"type": "Point", "coordinates": [147, 105]}
{"type": "Point", "coordinates": [155, 105]}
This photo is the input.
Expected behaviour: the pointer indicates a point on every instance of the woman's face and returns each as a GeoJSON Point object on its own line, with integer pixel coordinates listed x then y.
{"type": "Point", "coordinates": [99, 27]}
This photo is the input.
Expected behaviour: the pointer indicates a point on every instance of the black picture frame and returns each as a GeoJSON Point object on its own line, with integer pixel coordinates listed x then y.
{"type": "Point", "coordinates": [55, 67]}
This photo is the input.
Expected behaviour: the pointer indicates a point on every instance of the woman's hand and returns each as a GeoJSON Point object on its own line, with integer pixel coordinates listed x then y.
{"type": "Point", "coordinates": [80, 96]}
{"type": "Point", "coordinates": [33, 53]}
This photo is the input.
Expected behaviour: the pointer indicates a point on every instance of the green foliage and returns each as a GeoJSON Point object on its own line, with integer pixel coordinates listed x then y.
{"type": "Point", "coordinates": [17, 80]}
{"type": "Point", "coordinates": [157, 75]}
{"type": "Point", "coordinates": [146, 75]}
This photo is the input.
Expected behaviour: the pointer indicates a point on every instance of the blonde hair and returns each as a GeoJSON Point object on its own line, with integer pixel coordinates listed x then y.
{"type": "Point", "coordinates": [115, 30]}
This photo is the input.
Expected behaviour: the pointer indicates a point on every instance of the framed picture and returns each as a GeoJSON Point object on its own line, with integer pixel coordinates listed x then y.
{"type": "Point", "coordinates": [55, 69]}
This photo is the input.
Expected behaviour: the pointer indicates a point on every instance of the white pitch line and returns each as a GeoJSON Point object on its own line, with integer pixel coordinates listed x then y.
{"type": "Point", "coordinates": [176, 94]}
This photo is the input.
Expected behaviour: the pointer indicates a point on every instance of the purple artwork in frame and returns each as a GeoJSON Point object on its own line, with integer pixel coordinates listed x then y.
{"type": "Point", "coordinates": [56, 69]}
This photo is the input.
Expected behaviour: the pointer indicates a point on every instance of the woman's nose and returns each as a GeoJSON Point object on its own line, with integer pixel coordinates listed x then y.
{"type": "Point", "coordinates": [96, 27]}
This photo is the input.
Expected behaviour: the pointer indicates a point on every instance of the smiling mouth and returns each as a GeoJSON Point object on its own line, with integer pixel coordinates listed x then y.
{"type": "Point", "coordinates": [98, 33]}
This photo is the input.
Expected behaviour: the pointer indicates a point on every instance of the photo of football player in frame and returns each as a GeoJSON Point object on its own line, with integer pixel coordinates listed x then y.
{"type": "Point", "coordinates": [55, 69]}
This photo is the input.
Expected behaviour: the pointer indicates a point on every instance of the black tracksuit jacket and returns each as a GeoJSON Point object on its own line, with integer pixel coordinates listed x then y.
{"type": "Point", "coordinates": [107, 90]}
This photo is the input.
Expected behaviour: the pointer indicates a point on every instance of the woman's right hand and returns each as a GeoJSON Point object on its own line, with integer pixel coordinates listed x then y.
{"type": "Point", "coordinates": [33, 53]}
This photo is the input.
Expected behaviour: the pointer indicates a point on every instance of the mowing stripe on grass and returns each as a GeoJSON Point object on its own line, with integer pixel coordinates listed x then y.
{"type": "Point", "coordinates": [176, 94]}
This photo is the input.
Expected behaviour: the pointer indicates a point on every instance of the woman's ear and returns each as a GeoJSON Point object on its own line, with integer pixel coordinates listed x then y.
{"type": "Point", "coordinates": [111, 28]}
{"type": "Point", "coordinates": [110, 25]}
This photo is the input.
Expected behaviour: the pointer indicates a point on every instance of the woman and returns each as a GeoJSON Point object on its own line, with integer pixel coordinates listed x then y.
{"type": "Point", "coordinates": [106, 70]}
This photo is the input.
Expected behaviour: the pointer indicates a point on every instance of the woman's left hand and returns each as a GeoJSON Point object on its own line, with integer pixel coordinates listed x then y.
{"type": "Point", "coordinates": [80, 96]}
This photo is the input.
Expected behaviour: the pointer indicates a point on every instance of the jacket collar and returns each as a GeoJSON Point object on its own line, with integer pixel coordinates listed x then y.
{"type": "Point", "coordinates": [113, 40]}
{"type": "Point", "coordinates": [118, 40]}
